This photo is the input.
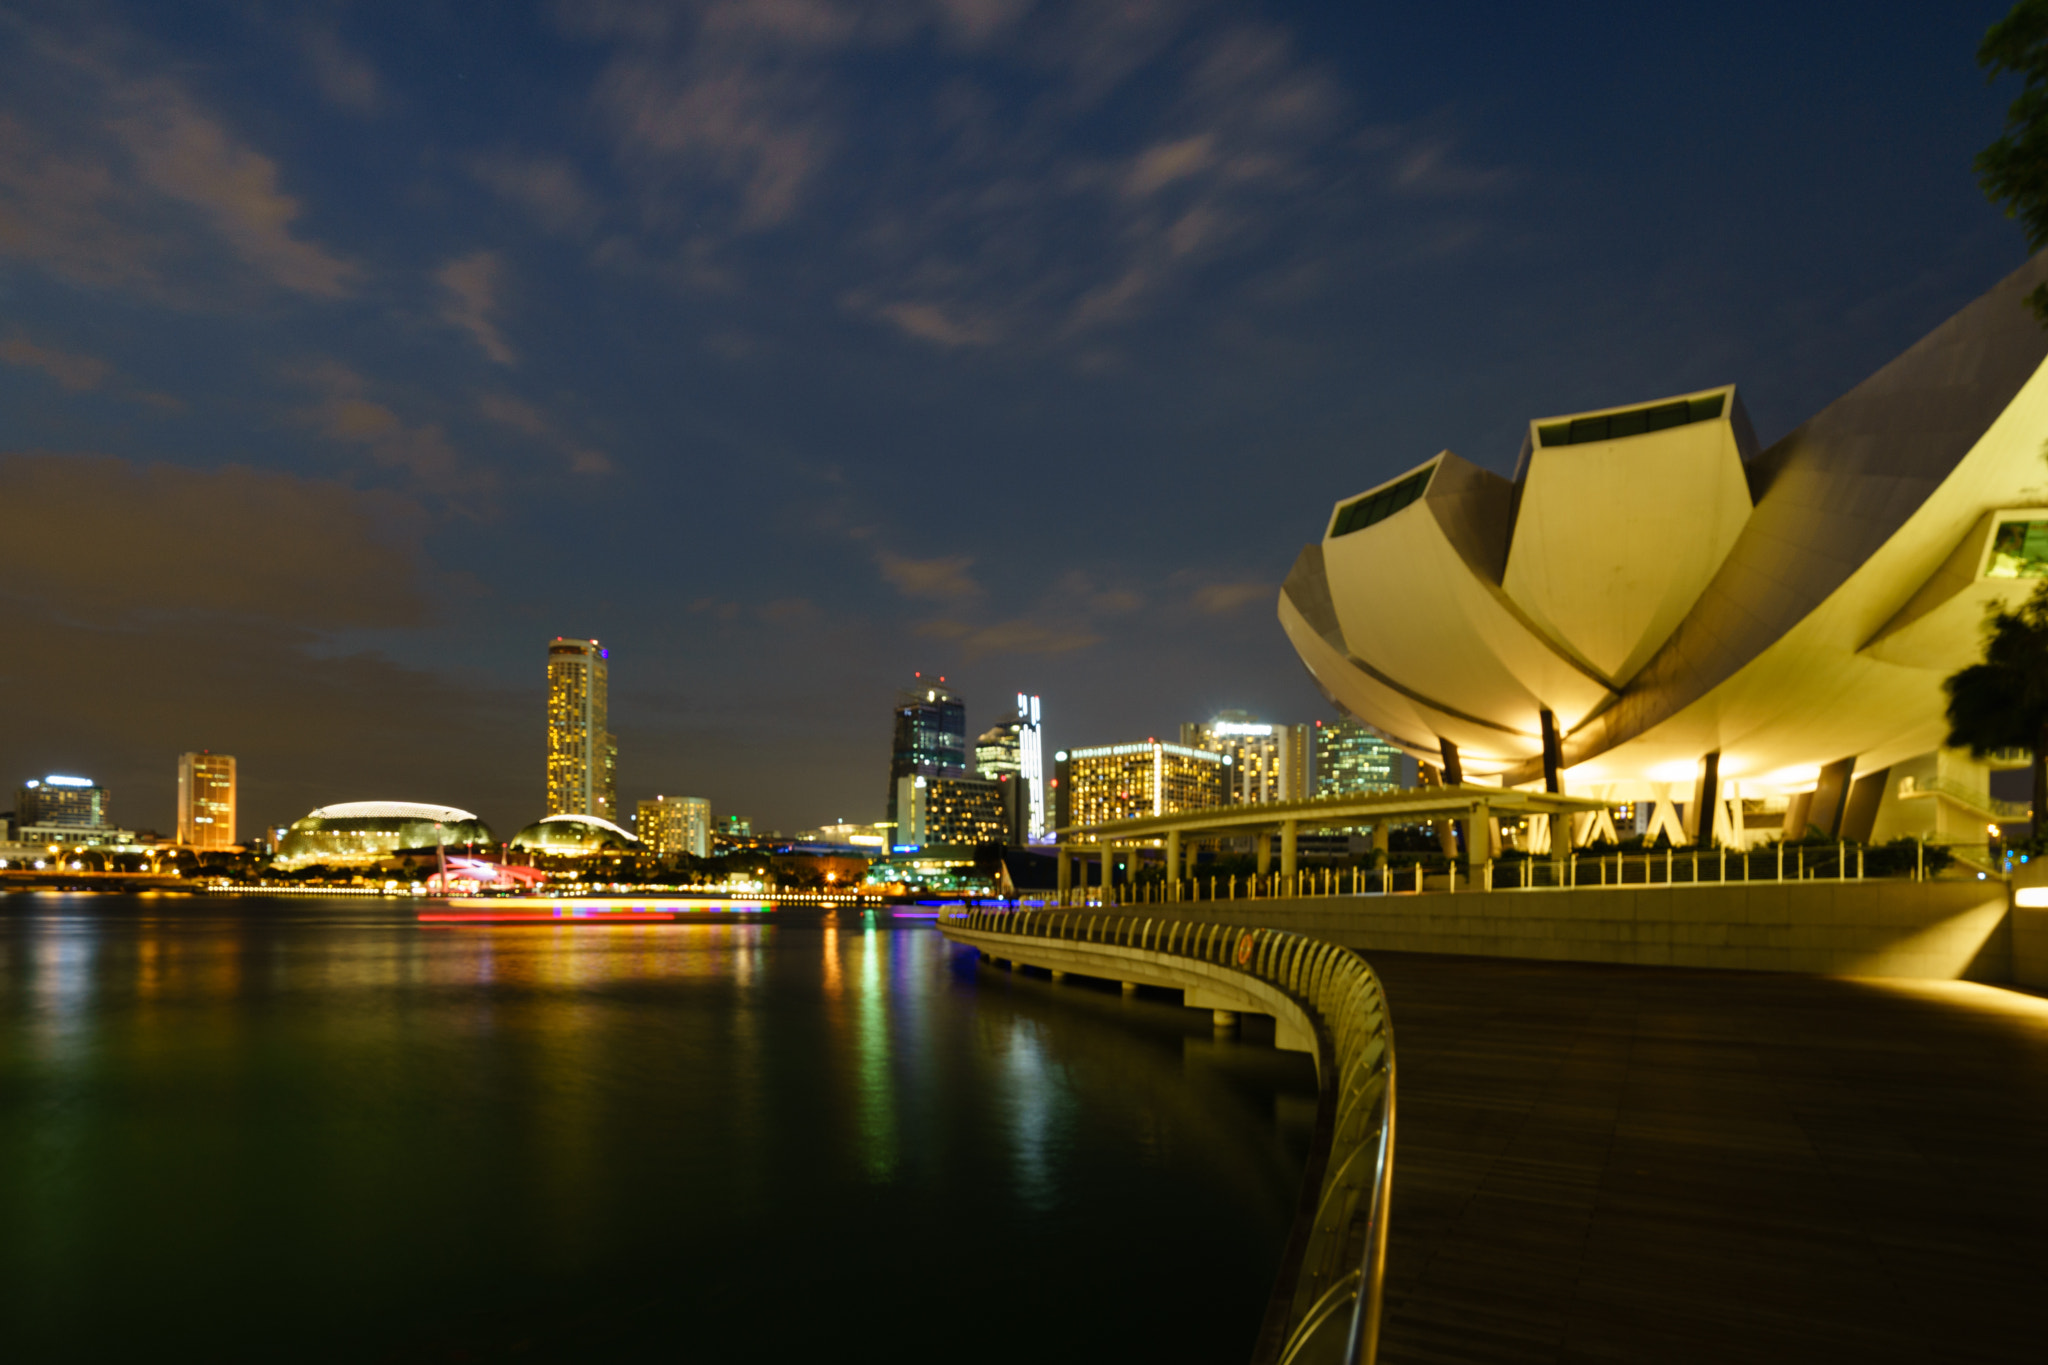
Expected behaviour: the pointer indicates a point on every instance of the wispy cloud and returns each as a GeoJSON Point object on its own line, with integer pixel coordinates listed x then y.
{"type": "Point", "coordinates": [1018, 635]}
{"type": "Point", "coordinates": [343, 75]}
{"type": "Point", "coordinates": [549, 188]}
{"type": "Point", "coordinates": [130, 179]}
{"type": "Point", "coordinates": [516, 414]}
{"type": "Point", "coordinates": [470, 287]}
{"type": "Point", "coordinates": [936, 580]}
{"type": "Point", "coordinates": [75, 372]}
{"type": "Point", "coordinates": [1220, 599]}
{"type": "Point", "coordinates": [186, 155]}
{"type": "Point", "coordinates": [347, 412]}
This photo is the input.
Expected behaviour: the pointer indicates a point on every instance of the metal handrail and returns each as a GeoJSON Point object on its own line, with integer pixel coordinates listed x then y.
{"type": "Point", "coordinates": [1337, 1253]}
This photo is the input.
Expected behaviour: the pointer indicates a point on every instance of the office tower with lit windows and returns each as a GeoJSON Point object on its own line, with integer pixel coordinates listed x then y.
{"type": "Point", "coordinates": [1354, 760]}
{"type": "Point", "coordinates": [930, 739]}
{"type": "Point", "coordinates": [1010, 752]}
{"type": "Point", "coordinates": [1127, 781]}
{"type": "Point", "coordinates": [672, 825]}
{"type": "Point", "coordinates": [206, 800]}
{"type": "Point", "coordinates": [582, 756]}
{"type": "Point", "coordinates": [1268, 762]}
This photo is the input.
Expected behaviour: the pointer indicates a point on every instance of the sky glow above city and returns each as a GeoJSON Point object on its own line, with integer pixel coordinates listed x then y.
{"type": "Point", "coordinates": [349, 354]}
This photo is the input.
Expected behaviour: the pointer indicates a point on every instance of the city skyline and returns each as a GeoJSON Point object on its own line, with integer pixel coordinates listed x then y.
{"type": "Point", "coordinates": [408, 315]}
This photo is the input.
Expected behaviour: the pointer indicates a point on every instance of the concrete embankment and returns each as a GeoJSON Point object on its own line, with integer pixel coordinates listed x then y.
{"type": "Point", "coordinates": [1953, 930]}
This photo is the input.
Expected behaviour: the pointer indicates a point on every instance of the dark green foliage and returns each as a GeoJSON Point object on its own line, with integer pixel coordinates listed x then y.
{"type": "Point", "coordinates": [2014, 169]}
{"type": "Point", "coordinates": [2002, 703]}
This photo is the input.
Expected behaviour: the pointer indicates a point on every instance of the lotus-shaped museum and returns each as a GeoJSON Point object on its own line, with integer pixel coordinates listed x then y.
{"type": "Point", "coordinates": [1653, 610]}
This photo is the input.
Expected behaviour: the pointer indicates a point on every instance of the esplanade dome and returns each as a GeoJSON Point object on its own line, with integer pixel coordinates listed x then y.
{"type": "Point", "coordinates": [367, 831]}
{"type": "Point", "coordinates": [574, 836]}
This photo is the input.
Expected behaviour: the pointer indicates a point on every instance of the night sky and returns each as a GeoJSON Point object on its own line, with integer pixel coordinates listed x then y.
{"type": "Point", "coordinates": [348, 354]}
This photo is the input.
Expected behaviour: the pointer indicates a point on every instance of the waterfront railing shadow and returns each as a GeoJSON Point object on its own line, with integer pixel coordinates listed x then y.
{"type": "Point", "coordinates": [1326, 1304]}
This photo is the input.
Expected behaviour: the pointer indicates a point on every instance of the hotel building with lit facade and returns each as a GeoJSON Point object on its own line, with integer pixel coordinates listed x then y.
{"type": "Point", "coordinates": [672, 825]}
{"type": "Point", "coordinates": [1267, 762]}
{"type": "Point", "coordinates": [1656, 610]}
{"type": "Point", "coordinates": [61, 811]}
{"type": "Point", "coordinates": [1125, 781]}
{"type": "Point", "coordinates": [206, 800]}
{"type": "Point", "coordinates": [583, 758]}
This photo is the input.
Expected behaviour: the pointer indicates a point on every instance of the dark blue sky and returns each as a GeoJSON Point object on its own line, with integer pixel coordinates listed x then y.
{"type": "Point", "coordinates": [348, 353]}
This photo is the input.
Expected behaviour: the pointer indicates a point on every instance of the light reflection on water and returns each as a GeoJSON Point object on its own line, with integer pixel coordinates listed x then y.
{"type": "Point", "coordinates": [322, 1124]}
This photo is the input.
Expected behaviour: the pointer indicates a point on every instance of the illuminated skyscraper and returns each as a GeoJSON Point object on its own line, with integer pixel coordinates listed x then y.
{"type": "Point", "coordinates": [1031, 755]}
{"type": "Point", "coordinates": [930, 739]}
{"type": "Point", "coordinates": [206, 800]}
{"type": "Point", "coordinates": [582, 755]}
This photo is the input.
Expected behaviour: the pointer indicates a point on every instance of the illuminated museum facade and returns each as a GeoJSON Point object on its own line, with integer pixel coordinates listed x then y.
{"type": "Point", "coordinates": [1654, 610]}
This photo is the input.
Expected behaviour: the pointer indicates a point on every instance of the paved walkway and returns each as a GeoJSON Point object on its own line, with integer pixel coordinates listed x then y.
{"type": "Point", "coordinates": [1638, 1164]}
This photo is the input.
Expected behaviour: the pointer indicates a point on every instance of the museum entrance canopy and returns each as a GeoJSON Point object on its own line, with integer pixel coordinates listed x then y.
{"type": "Point", "coordinates": [1394, 807]}
{"type": "Point", "coordinates": [1473, 804]}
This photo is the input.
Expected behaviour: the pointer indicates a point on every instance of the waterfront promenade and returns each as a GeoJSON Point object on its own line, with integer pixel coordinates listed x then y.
{"type": "Point", "coordinates": [1612, 1163]}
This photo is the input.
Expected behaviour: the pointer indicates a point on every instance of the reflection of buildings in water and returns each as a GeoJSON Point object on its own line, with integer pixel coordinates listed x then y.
{"type": "Point", "coordinates": [1040, 1110]}
{"type": "Point", "coordinates": [1133, 1065]}
{"type": "Point", "coordinates": [871, 1045]}
{"type": "Point", "coordinates": [831, 937]}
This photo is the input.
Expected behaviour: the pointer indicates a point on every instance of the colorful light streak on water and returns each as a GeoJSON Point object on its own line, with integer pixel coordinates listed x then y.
{"type": "Point", "coordinates": [320, 1131]}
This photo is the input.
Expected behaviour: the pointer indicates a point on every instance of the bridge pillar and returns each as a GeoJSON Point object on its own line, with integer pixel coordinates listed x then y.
{"type": "Point", "coordinates": [1172, 856]}
{"type": "Point", "coordinates": [1478, 842]}
{"type": "Point", "coordinates": [1289, 830]}
{"type": "Point", "coordinates": [1065, 860]}
{"type": "Point", "coordinates": [1265, 848]}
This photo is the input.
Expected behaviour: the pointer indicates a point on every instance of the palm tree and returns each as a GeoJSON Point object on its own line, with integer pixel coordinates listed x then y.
{"type": "Point", "coordinates": [2002, 703]}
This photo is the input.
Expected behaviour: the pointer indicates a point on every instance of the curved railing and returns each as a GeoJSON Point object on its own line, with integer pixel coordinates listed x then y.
{"type": "Point", "coordinates": [1326, 1305]}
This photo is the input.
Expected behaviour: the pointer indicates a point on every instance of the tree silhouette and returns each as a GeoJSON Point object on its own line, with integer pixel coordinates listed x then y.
{"type": "Point", "coordinates": [2014, 169]}
{"type": "Point", "coordinates": [2002, 703]}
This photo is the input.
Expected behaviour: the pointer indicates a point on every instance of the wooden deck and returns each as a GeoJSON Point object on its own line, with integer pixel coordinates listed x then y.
{"type": "Point", "coordinates": [1638, 1164]}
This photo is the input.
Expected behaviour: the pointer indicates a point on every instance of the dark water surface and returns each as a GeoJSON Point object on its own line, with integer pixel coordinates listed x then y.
{"type": "Point", "coordinates": [241, 1129]}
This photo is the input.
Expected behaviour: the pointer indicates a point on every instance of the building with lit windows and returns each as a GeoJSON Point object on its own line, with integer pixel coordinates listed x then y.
{"type": "Point", "coordinates": [206, 800]}
{"type": "Point", "coordinates": [1657, 611]}
{"type": "Point", "coordinates": [951, 812]}
{"type": "Point", "coordinates": [1011, 752]}
{"type": "Point", "coordinates": [1125, 781]}
{"type": "Point", "coordinates": [60, 802]}
{"type": "Point", "coordinates": [672, 825]}
{"type": "Point", "coordinates": [583, 758]}
{"type": "Point", "coordinates": [64, 812]}
{"type": "Point", "coordinates": [1351, 760]}
{"type": "Point", "coordinates": [930, 740]}
{"type": "Point", "coordinates": [1268, 762]}
{"type": "Point", "coordinates": [359, 832]}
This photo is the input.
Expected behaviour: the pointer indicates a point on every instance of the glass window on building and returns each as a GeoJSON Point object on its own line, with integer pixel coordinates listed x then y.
{"type": "Point", "coordinates": [2019, 549]}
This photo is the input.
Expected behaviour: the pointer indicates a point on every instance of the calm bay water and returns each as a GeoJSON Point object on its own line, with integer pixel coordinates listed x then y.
{"type": "Point", "coordinates": [293, 1129]}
